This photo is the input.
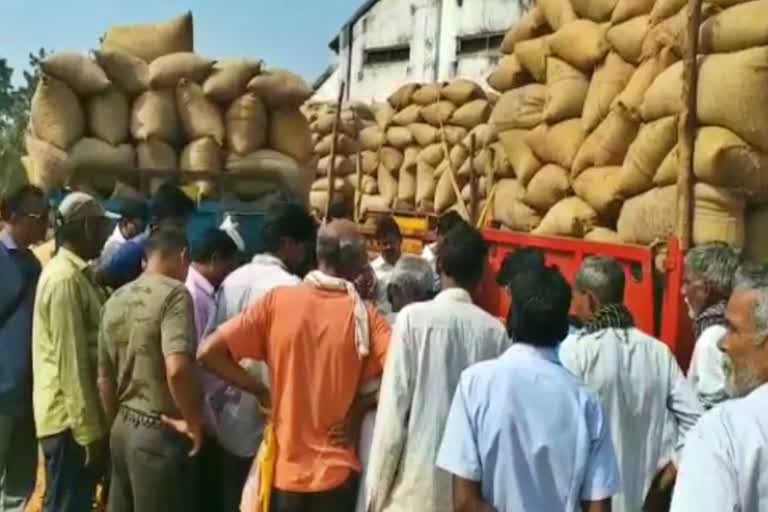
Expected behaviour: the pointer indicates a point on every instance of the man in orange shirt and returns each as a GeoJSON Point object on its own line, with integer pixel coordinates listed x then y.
{"type": "Point", "coordinates": [322, 345]}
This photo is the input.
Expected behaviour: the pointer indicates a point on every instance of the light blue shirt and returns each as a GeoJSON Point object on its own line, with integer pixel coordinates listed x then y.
{"type": "Point", "coordinates": [530, 433]}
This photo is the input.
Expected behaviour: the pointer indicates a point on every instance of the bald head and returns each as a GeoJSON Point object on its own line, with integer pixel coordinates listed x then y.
{"type": "Point", "coordinates": [341, 249]}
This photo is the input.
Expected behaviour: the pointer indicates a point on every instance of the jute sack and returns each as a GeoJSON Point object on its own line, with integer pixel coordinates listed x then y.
{"type": "Point", "coordinates": [521, 156]}
{"type": "Point", "coordinates": [391, 158]}
{"type": "Point", "coordinates": [427, 94]}
{"type": "Point", "coordinates": [633, 94]}
{"type": "Point", "coordinates": [93, 155]}
{"type": "Point", "coordinates": [202, 155]}
{"type": "Point", "coordinates": [318, 201]}
{"type": "Point", "coordinates": [378, 203]}
{"type": "Point", "coordinates": [557, 144]}
{"type": "Point", "coordinates": [425, 182]}
{"type": "Point", "coordinates": [626, 9]}
{"type": "Point", "coordinates": [383, 113]}
{"type": "Point", "coordinates": [502, 166]}
{"type": "Point", "coordinates": [597, 187]}
{"type": "Point", "coordinates": [445, 194]}
{"type": "Point", "coordinates": [556, 12]}
{"type": "Point", "coordinates": [401, 98]}
{"type": "Point", "coordinates": [340, 185]}
{"type": "Point", "coordinates": [84, 76]}
{"type": "Point", "coordinates": [569, 217]}
{"type": "Point", "coordinates": [150, 41]}
{"type": "Point", "coordinates": [660, 99]}
{"type": "Point", "coordinates": [466, 192]}
{"type": "Point", "coordinates": [324, 124]}
{"type": "Point", "coordinates": [279, 88]}
{"type": "Point", "coordinates": [484, 135]}
{"type": "Point", "coordinates": [653, 143]}
{"type": "Point", "coordinates": [531, 25]}
{"type": "Point", "coordinates": [607, 83]}
{"type": "Point", "coordinates": [580, 43]}
{"type": "Point", "coordinates": [548, 186]}
{"type": "Point", "coordinates": [344, 165]}
{"type": "Point", "coordinates": [200, 117]}
{"type": "Point", "coordinates": [156, 155]}
{"type": "Point", "coordinates": [438, 113]}
{"type": "Point", "coordinates": [432, 155]}
{"type": "Point", "coordinates": [278, 171]}
{"type": "Point", "coordinates": [155, 115]}
{"type": "Point", "coordinates": [566, 91]}
{"type": "Point", "coordinates": [736, 28]}
{"type": "Point", "coordinates": [667, 173]}
{"type": "Point", "coordinates": [247, 124]}
{"type": "Point", "coordinates": [229, 79]}
{"type": "Point", "coordinates": [410, 157]}
{"type": "Point", "coordinates": [368, 184]}
{"type": "Point", "coordinates": [456, 158]}
{"type": "Point", "coordinates": [47, 166]}
{"type": "Point", "coordinates": [55, 113]}
{"type": "Point", "coordinates": [406, 186]}
{"type": "Point", "coordinates": [289, 134]}
{"type": "Point", "coordinates": [165, 72]}
{"type": "Point", "coordinates": [471, 114]}
{"type": "Point", "coordinates": [372, 138]}
{"type": "Point", "coordinates": [424, 134]}
{"type": "Point", "coordinates": [510, 211]}
{"type": "Point", "coordinates": [461, 91]}
{"type": "Point", "coordinates": [130, 74]}
{"type": "Point", "coordinates": [508, 75]}
{"type": "Point", "coordinates": [596, 10]}
{"type": "Point", "coordinates": [399, 137]}
{"type": "Point", "coordinates": [409, 115]}
{"type": "Point", "coordinates": [755, 226]}
{"type": "Point", "coordinates": [608, 144]}
{"type": "Point", "coordinates": [671, 32]}
{"type": "Point", "coordinates": [109, 116]}
{"type": "Point", "coordinates": [664, 9]}
{"type": "Point", "coordinates": [345, 145]}
{"type": "Point", "coordinates": [603, 235]}
{"type": "Point", "coordinates": [627, 38]}
{"type": "Point", "coordinates": [453, 134]}
{"type": "Point", "coordinates": [719, 216]}
{"type": "Point", "coordinates": [369, 162]}
{"type": "Point", "coordinates": [387, 183]}
{"type": "Point", "coordinates": [532, 55]}
{"type": "Point", "coordinates": [723, 159]}
{"type": "Point", "coordinates": [521, 108]}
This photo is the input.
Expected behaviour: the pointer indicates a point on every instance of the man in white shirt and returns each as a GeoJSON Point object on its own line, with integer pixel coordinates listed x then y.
{"type": "Point", "coordinates": [723, 464]}
{"type": "Point", "coordinates": [446, 222]}
{"type": "Point", "coordinates": [432, 343]}
{"type": "Point", "coordinates": [390, 242]}
{"type": "Point", "coordinates": [648, 402]}
{"type": "Point", "coordinates": [709, 271]}
{"type": "Point", "coordinates": [234, 419]}
{"type": "Point", "coordinates": [523, 434]}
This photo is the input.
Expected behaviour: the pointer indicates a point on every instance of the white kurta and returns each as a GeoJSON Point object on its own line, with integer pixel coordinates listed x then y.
{"type": "Point", "coordinates": [724, 461]}
{"type": "Point", "coordinates": [706, 373]}
{"type": "Point", "coordinates": [432, 343]}
{"type": "Point", "coordinates": [650, 404]}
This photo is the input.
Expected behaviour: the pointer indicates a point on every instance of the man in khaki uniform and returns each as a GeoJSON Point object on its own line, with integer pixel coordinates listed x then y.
{"type": "Point", "coordinates": [149, 384]}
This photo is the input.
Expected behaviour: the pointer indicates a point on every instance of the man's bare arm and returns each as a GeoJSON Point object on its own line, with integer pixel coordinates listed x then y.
{"type": "Point", "coordinates": [467, 496]}
{"type": "Point", "coordinates": [182, 378]}
{"type": "Point", "coordinates": [596, 506]}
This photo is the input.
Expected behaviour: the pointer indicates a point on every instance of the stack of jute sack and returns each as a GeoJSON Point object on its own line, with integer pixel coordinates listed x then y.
{"type": "Point", "coordinates": [147, 101]}
{"type": "Point", "coordinates": [354, 117]}
{"type": "Point", "coordinates": [419, 148]}
{"type": "Point", "coordinates": [589, 119]}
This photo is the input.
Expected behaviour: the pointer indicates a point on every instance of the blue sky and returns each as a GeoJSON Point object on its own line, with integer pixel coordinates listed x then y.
{"type": "Point", "coordinates": [292, 34]}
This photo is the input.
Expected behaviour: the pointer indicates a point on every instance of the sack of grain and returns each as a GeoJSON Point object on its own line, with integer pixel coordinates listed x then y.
{"type": "Point", "coordinates": [653, 143]}
{"type": "Point", "coordinates": [432, 154]}
{"type": "Point", "coordinates": [556, 12]}
{"type": "Point", "coordinates": [387, 183]}
{"type": "Point", "coordinates": [55, 113]}
{"type": "Point", "coordinates": [608, 144]}
{"type": "Point", "coordinates": [155, 115]}
{"type": "Point", "coordinates": [109, 116]}
{"type": "Point", "coordinates": [627, 38]}
{"type": "Point", "coordinates": [165, 72]}
{"type": "Point", "coordinates": [150, 41]}
{"type": "Point", "coordinates": [557, 144]}
{"type": "Point", "coordinates": [719, 216]}
{"type": "Point", "coordinates": [91, 155]}
{"type": "Point", "coordinates": [755, 226]}
{"type": "Point", "coordinates": [548, 186]}
{"type": "Point", "coordinates": [344, 165]}
{"type": "Point", "coordinates": [391, 158]}
{"type": "Point", "coordinates": [279, 171]}
{"type": "Point", "coordinates": [603, 235]}
{"type": "Point", "coordinates": [438, 113]}
{"type": "Point", "coordinates": [424, 134]}
{"type": "Point", "coordinates": [399, 137]}
{"type": "Point", "coordinates": [425, 182]}
{"type": "Point", "coordinates": [597, 187]}
{"type": "Point", "coordinates": [372, 138]}
{"type": "Point", "coordinates": [289, 134]}
{"type": "Point", "coordinates": [484, 135]}
{"type": "Point", "coordinates": [84, 76]}
{"type": "Point", "coordinates": [461, 91]}
{"type": "Point", "coordinates": [607, 82]}
{"type": "Point", "coordinates": [378, 203]}
{"type": "Point", "coordinates": [633, 94]}
{"type": "Point", "coordinates": [445, 193]}
{"type": "Point", "coordinates": [510, 211]}
{"type": "Point", "coordinates": [130, 74]}
{"type": "Point", "coordinates": [508, 75]}
{"type": "Point", "coordinates": [664, 9]}
{"type": "Point", "coordinates": [466, 192]}
{"type": "Point", "coordinates": [667, 173]}
{"type": "Point", "coordinates": [345, 145]}
{"type": "Point", "coordinates": [426, 94]}
{"type": "Point", "coordinates": [279, 88]}
{"type": "Point", "coordinates": [723, 159]}
{"type": "Point", "coordinates": [369, 162]}
{"type": "Point", "coordinates": [200, 117]}
{"type": "Point", "coordinates": [471, 114]}
{"type": "Point", "coordinates": [324, 124]}
{"type": "Point", "coordinates": [595, 10]}
{"type": "Point", "coordinates": [531, 25]}
{"type": "Point", "coordinates": [521, 108]}
{"type": "Point", "coordinates": [383, 112]}
{"type": "Point", "coordinates": [202, 155]}
{"type": "Point", "coordinates": [520, 155]}
{"type": "Point", "coordinates": [566, 91]}
{"type": "Point", "coordinates": [532, 55]}
{"type": "Point", "coordinates": [626, 9]}
{"type": "Point", "coordinates": [47, 166]}
{"type": "Point", "coordinates": [156, 155]}
{"type": "Point", "coordinates": [502, 166]}
{"type": "Point", "coordinates": [736, 28]}
{"type": "Point", "coordinates": [247, 124]}
{"type": "Point", "coordinates": [671, 32]}
{"type": "Point", "coordinates": [453, 134]}
{"type": "Point", "coordinates": [580, 43]}
{"type": "Point", "coordinates": [340, 185]}
{"type": "Point", "coordinates": [409, 115]}
{"type": "Point", "coordinates": [368, 184]}
{"type": "Point", "coordinates": [229, 79]}
{"type": "Point", "coordinates": [570, 217]}
{"type": "Point", "coordinates": [401, 98]}
{"type": "Point", "coordinates": [406, 186]}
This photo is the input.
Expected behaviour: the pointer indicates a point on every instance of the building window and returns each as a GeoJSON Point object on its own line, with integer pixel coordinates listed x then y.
{"type": "Point", "coordinates": [479, 43]}
{"type": "Point", "coordinates": [386, 55]}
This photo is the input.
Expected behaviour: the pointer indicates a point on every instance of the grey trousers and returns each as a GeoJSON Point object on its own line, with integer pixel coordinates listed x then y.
{"type": "Point", "coordinates": [151, 467]}
{"type": "Point", "coordinates": [18, 461]}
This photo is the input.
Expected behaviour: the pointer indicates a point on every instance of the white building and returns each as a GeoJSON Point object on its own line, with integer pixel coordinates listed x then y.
{"type": "Point", "coordinates": [389, 42]}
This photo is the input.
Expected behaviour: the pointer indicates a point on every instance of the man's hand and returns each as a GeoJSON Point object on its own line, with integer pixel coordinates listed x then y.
{"type": "Point", "coordinates": [193, 432]}
{"type": "Point", "coordinates": [667, 477]}
{"type": "Point", "coordinates": [96, 455]}
{"type": "Point", "coordinates": [347, 433]}
{"type": "Point", "coordinates": [660, 494]}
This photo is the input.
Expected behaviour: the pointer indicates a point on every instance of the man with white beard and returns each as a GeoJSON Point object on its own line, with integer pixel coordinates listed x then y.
{"type": "Point", "coordinates": [723, 463]}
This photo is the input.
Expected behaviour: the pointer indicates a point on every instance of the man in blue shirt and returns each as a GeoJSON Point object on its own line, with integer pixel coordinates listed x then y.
{"type": "Point", "coordinates": [170, 208]}
{"type": "Point", "coordinates": [26, 215]}
{"type": "Point", "coordinates": [523, 435]}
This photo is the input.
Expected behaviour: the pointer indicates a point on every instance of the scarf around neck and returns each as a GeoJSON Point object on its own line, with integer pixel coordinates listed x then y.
{"type": "Point", "coordinates": [610, 316]}
{"type": "Point", "coordinates": [713, 315]}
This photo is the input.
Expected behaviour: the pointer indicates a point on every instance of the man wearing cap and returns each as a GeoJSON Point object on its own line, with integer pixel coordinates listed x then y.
{"type": "Point", "coordinates": [66, 316]}
{"type": "Point", "coordinates": [133, 222]}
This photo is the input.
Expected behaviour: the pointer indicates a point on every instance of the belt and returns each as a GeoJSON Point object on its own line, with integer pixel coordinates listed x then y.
{"type": "Point", "coordinates": [140, 419]}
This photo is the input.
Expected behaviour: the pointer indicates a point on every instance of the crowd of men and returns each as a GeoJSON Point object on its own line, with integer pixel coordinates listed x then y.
{"type": "Point", "coordinates": [308, 379]}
